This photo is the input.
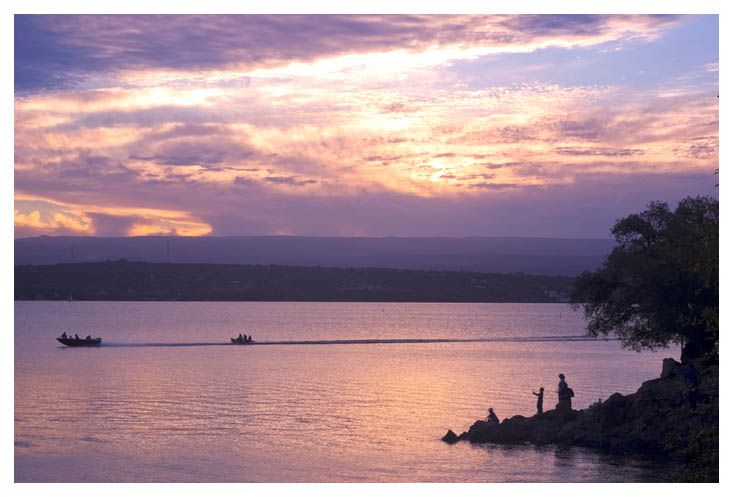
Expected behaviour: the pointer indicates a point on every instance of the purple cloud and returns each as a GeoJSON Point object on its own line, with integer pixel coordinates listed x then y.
{"type": "Point", "coordinates": [61, 51]}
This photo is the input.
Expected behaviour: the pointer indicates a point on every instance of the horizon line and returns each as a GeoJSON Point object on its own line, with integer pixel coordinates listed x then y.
{"type": "Point", "coordinates": [447, 237]}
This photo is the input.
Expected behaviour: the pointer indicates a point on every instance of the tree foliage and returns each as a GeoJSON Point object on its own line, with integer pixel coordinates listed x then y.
{"type": "Point", "coordinates": [660, 284]}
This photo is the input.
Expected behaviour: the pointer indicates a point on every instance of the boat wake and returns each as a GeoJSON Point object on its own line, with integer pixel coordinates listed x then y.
{"type": "Point", "coordinates": [165, 344]}
{"type": "Point", "coordinates": [375, 341]}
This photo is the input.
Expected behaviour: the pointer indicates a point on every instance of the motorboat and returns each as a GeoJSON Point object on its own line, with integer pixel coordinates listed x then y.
{"type": "Point", "coordinates": [80, 342]}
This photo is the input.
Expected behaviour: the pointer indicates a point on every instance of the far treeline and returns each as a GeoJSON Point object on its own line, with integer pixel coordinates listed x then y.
{"type": "Point", "coordinates": [125, 280]}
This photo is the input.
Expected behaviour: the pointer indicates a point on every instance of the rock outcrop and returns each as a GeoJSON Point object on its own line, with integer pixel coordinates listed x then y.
{"type": "Point", "coordinates": [675, 415]}
{"type": "Point", "coordinates": [450, 437]}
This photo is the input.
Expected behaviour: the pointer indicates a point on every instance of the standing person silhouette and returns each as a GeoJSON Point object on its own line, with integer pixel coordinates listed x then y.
{"type": "Point", "coordinates": [564, 394]}
{"type": "Point", "coordinates": [540, 397]}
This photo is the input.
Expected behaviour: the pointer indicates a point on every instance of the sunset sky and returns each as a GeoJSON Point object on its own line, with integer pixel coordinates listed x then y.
{"type": "Point", "coordinates": [359, 125]}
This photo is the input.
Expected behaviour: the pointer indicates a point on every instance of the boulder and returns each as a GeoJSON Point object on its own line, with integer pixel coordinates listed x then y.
{"type": "Point", "coordinates": [613, 411]}
{"type": "Point", "coordinates": [450, 437]}
{"type": "Point", "coordinates": [670, 367]}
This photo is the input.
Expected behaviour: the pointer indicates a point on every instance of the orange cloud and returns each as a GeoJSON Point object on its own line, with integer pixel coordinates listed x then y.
{"type": "Point", "coordinates": [55, 222]}
{"type": "Point", "coordinates": [44, 215]}
{"type": "Point", "coordinates": [143, 229]}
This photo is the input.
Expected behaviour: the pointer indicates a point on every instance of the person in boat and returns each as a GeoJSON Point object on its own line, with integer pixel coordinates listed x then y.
{"type": "Point", "coordinates": [492, 418]}
{"type": "Point", "coordinates": [76, 336]}
{"type": "Point", "coordinates": [89, 337]}
{"type": "Point", "coordinates": [240, 338]}
{"type": "Point", "coordinates": [249, 338]}
{"type": "Point", "coordinates": [540, 397]}
{"type": "Point", "coordinates": [564, 394]}
{"type": "Point", "coordinates": [63, 335]}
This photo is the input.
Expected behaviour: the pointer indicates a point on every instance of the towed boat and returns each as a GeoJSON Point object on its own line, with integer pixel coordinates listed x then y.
{"type": "Point", "coordinates": [237, 341]}
{"type": "Point", "coordinates": [80, 342]}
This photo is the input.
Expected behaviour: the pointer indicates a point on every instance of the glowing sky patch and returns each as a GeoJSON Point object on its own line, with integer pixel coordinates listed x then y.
{"type": "Point", "coordinates": [370, 125]}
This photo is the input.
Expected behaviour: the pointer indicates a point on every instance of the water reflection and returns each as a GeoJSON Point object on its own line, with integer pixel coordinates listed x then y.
{"type": "Point", "coordinates": [360, 412]}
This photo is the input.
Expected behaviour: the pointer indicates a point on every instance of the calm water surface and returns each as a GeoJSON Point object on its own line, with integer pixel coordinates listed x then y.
{"type": "Point", "coordinates": [294, 413]}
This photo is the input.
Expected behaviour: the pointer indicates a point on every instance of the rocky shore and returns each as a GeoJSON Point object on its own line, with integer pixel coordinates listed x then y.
{"type": "Point", "coordinates": [674, 416]}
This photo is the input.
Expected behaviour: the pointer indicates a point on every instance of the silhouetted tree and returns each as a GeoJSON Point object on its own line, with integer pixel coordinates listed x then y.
{"type": "Point", "coordinates": [660, 284]}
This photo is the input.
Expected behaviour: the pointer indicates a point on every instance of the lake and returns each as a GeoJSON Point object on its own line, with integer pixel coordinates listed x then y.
{"type": "Point", "coordinates": [135, 410]}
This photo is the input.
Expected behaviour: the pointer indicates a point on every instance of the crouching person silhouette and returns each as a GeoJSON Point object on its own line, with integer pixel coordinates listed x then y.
{"type": "Point", "coordinates": [491, 418]}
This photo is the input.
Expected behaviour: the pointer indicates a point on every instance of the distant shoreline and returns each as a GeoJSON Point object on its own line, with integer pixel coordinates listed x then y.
{"type": "Point", "coordinates": [126, 281]}
{"type": "Point", "coordinates": [299, 301]}
{"type": "Point", "coordinates": [546, 256]}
